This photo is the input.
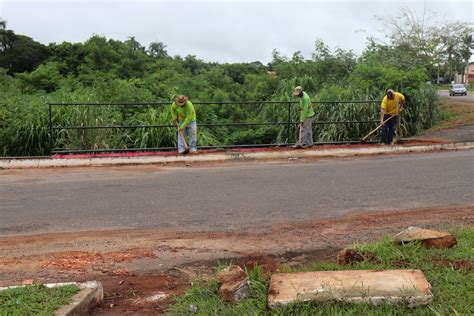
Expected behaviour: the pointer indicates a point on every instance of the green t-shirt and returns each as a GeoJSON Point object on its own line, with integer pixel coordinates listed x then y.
{"type": "Point", "coordinates": [185, 114]}
{"type": "Point", "coordinates": [306, 108]}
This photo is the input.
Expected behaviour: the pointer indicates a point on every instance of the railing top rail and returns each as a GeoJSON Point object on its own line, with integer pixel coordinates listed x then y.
{"type": "Point", "coordinates": [199, 102]}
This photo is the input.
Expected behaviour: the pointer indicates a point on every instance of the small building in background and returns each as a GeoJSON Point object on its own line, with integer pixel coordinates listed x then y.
{"type": "Point", "coordinates": [468, 76]}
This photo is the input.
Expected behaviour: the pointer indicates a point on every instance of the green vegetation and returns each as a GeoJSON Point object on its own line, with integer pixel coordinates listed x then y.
{"type": "Point", "coordinates": [106, 70]}
{"type": "Point", "coordinates": [452, 283]}
{"type": "Point", "coordinates": [35, 299]}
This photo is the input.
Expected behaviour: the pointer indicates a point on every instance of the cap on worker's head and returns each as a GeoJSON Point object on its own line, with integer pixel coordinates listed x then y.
{"type": "Point", "coordinates": [297, 91]}
{"type": "Point", "coordinates": [389, 92]}
{"type": "Point", "coordinates": [181, 100]}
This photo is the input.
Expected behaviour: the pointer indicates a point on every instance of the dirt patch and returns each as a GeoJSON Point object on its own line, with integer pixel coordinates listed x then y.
{"type": "Point", "coordinates": [75, 260]}
{"type": "Point", "coordinates": [82, 261]}
{"type": "Point", "coordinates": [143, 295]}
{"type": "Point", "coordinates": [420, 141]}
{"type": "Point", "coordinates": [456, 264]}
{"type": "Point", "coordinates": [463, 109]}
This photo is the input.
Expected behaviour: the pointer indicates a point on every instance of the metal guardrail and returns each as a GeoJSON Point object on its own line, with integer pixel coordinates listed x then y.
{"type": "Point", "coordinates": [288, 123]}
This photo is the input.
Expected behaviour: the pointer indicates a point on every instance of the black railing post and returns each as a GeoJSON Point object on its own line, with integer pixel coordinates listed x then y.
{"type": "Point", "coordinates": [289, 123]}
{"type": "Point", "coordinates": [51, 143]}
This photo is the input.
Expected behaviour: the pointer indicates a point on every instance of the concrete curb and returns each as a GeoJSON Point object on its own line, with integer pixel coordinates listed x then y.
{"type": "Point", "coordinates": [91, 294]}
{"type": "Point", "coordinates": [21, 163]}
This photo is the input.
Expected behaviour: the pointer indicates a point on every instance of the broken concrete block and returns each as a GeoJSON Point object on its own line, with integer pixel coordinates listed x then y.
{"type": "Point", "coordinates": [348, 256]}
{"type": "Point", "coordinates": [428, 238]}
{"type": "Point", "coordinates": [234, 284]}
{"type": "Point", "coordinates": [408, 287]}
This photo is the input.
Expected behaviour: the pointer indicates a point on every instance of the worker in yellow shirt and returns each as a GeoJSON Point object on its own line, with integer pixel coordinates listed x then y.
{"type": "Point", "coordinates": [392, 105]}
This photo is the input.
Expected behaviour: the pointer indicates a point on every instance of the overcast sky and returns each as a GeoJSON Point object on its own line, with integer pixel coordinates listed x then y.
{"type": "Point", "coordinates": [224, 31]}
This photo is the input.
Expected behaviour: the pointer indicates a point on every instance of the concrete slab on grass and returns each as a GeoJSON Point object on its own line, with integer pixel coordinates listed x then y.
{"type": "Point", "coordinates": [91, 294]}
{"type": "Point", "coordinates": [408, 287]}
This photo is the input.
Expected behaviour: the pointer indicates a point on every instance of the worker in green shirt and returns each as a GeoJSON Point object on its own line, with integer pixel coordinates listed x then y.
{"type": "Point", "coordinates": [182, 110]}
{"type": "Point", "coordinates": [306, 117]}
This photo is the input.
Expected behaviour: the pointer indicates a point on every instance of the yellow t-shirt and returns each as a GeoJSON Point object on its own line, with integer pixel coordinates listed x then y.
{"type": "Point", "coordinates": [392, 107]}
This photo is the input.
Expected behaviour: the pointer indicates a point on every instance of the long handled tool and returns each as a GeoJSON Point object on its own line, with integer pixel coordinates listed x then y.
{"type": "Point", "coordinates": [377, 128]}
{"type": "Point", "coordinates": [186, 147]}
{"type": "Point", "coordinates": [299, 136]}
{"type": "Point", "coordinates": [299, 145]}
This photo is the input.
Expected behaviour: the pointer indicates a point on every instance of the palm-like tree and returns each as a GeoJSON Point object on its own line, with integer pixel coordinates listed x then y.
{"type": "Point", "coordinates": [3, 35]}
{"type": "Point", "coordinates": [466, 52]}
{"type": "Point", "coordinates": [157, 49]}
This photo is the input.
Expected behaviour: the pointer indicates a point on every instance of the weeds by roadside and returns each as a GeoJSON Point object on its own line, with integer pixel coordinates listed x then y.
{"type": "Point", "coordinates": [449, 271]}
{"type": "Point", "coordinates": [453, 114]}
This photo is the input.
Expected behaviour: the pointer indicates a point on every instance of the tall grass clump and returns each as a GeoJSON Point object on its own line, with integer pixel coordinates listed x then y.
{"type": "Point", "coordinates": [23, 125]}
{"type": "Point", "coordinates": [422, 110]}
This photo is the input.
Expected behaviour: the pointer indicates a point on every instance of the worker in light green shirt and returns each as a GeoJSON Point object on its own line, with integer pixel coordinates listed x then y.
{"type": "Point", "coordinates": [182, 111]}
{"type": "Point", "coordinates": [306, 118]}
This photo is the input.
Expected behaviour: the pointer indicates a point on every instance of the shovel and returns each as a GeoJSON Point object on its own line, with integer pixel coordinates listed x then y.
{"type": "Point", "coordinates": [186, 147]}
{"type": "Point", "coordinates": [377, 128]}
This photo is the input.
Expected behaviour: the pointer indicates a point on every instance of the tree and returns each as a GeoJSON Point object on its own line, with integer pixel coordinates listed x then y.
{"type": "Point", "coordinates": [466, 51]}
{"type": "Point", "coordinates": [413, 41]}
{"type": "Point", "coordinates": [157, 50]}
{"type": "Point", "coordinates": [134, 44]}
{"type": "Point", "coordinates": [321, 51]}
{"type": "Point", "coordinates": [46, 77]}
{"type": "Point", "coordinates": [455, 41]}
{"type": "Point", "coordinates": [20, 53]}
{"type": "Point", "coordinates": [69, 56]}
{"type": "Point", "coordinates": [6, 36]}
{"type": "Point", "coordinates": [194, 64]}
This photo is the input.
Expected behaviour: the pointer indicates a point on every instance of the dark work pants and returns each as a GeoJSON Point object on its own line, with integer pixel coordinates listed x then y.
{"type": "Point", "coordinates": [388, 130]}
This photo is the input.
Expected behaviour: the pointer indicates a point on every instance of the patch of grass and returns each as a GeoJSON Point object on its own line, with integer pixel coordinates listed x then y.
{"type": "Point", "coordinates": [35, 299]}
{"type": "Point", "coordinates": [453, 289]}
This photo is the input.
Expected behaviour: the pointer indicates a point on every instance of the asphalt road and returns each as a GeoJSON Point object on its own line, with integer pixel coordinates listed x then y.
{"type": "Point", "coordinates": [468, 97]}
{"type": "Point", "coordinates": [226, 197]}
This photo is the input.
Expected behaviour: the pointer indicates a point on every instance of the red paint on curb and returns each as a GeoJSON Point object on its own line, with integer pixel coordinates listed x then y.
{"type": "Point", "coordinates": [207, 151]}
